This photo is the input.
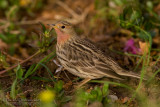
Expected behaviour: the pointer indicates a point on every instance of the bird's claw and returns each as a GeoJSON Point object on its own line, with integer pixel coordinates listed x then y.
{"type": "Point", "coordinates": [60, 67]}
{"type": "Point", "coordinates": [56, 62]}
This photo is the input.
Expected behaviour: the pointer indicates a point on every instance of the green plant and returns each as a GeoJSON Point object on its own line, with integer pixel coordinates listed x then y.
{"type": "Point", "coordinates": [84, 98]}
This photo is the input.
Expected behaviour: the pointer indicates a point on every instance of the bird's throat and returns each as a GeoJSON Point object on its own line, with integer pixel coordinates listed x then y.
{"type": "Point", "coordinates": [62, 37]}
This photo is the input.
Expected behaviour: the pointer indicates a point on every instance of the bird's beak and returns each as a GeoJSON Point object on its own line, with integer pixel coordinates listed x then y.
{"type": "Point", "coordinates": [52, 25]}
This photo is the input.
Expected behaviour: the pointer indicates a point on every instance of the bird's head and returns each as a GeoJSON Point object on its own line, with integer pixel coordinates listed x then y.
{"type": "Point", "coordinates": [64, 31]}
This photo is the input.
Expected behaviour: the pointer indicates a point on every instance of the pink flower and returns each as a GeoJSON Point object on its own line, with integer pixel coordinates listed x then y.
{"type": "Point", "coordinates": [130, 47]}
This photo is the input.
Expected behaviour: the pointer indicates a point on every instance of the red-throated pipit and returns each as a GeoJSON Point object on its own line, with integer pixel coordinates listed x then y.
{"type": "Point", "coordinates": [82, 58]}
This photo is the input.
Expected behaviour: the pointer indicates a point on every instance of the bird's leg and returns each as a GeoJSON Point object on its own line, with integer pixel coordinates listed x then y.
{"type": "Point", "coordinates": [83, 82]}
{"type": "Point", "coordinates": [55, 61]}
{"type": "Point", "coordinates": [60, 67]}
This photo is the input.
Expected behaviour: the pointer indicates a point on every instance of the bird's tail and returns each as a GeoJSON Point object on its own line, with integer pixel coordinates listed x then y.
{"type": "Point", "coordinates": [130, 74]}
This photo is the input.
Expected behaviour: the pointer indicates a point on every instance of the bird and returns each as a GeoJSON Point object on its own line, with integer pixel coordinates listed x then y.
{"type": "Point", "coordinates": [82, 58]}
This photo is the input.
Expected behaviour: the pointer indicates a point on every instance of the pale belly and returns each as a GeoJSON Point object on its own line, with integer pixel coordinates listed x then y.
{"type": "Point", "coordinates": [77, 72]}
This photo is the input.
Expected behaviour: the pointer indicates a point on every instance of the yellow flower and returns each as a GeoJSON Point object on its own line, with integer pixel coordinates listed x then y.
{"type": "Point", "coordinates": [24, 3]}
{"type": "Point", "coordinates": [47, 96]}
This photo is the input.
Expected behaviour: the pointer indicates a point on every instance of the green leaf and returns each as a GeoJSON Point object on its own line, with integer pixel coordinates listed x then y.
{"type": "Point", "coordinates": [49, 71]}
{"type": "Point", "coordinates": [60, 94]}
{"type": "Point", "coordinates": [12, 12]}
{"type": "Point", "coordinates": [118, 2]}
{"type": "Point", "coordinates": [149, 4]}
{"type": "Point", "coordinates": [105, 89]}
{"type": "Point", "coordinates": [132, 15]}
{"type": "Point", "coordinates": [66, 99]}
{"type": "Point", "coordinates": [41, 79]}
{"type": "Point", "coordinates": [13, 89]}
{"type": "Point", "coordinates": [29, 72]}
{"type": "Point", "coordinates": [43, 27]}
{"type": "Point", "coordinates": [114, 83]}
{"type": "Point", "coordinates": [96, 94]}
{"type": "Point", "coordinates": [11, 50]}
{"type": "Point", "coordinates": [52, 54]}
{"type": "Point", "coordinates": [3, 4]}
{"type": "Point", "coordinates": [93, 95]}
{"type": "Point", "coordinates": [96, 3]}
{"type": "Point", "coordinates": [99, 94]}
{"type": "Point", "coordinates": [58, 86]}
{"type": "Point", "coordinates": [3, 37]}
{"type": "Point", "coordinates": [143, 36]}
{"type": "Point", "coordinates": [19, 72]}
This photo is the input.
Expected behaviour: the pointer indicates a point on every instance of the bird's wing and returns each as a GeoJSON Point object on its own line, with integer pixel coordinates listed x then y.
{"type": "Point", "coordinates": [86, 58]}
{"type": "Point", "coordinates": [96, 59]}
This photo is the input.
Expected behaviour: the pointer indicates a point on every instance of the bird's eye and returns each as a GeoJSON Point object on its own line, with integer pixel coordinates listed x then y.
{"type": "Point", "coordinates": [62, 27]}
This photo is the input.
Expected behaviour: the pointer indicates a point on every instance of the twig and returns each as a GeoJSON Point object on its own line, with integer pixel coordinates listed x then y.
{"type": "Point", "coordinates": [68, 9]}
{"type": "Point", "coordinates": [12, 67]}
{"type": "Point", "coordinates": [76, 17]}
{"type": "Point", "coordinates": [75, 20]}
{"type": "Point", "coordinates": [31, 22]}
{"type": "Point", "coordinates": [6, 24]}
{"type": "Point", "coordinates": [3, 76]}
{"type": "Point", "coordinates": [13, 58]}
{"type": "Point", "coordinates": [67, 75]}
{"type": "Point", "coordinates": [24, 22]}
{"type": "Point", "coordinates": [18, 95]}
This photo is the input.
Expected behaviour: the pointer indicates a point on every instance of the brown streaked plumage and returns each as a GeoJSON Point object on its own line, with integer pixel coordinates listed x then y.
{"type": "Point", "coordinates": [82, 58]}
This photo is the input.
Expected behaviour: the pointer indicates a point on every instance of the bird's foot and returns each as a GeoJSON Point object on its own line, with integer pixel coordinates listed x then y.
{"type": "Point", "coordinates": [82, 83]}
{"type": "Point", "coordinates": [56, 62]}
{"type": "Point", "coordinates": [60, 67]}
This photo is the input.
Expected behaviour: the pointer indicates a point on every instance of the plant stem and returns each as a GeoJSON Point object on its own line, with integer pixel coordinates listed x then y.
{"type": "Point", "coordinates": [12, 67]}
